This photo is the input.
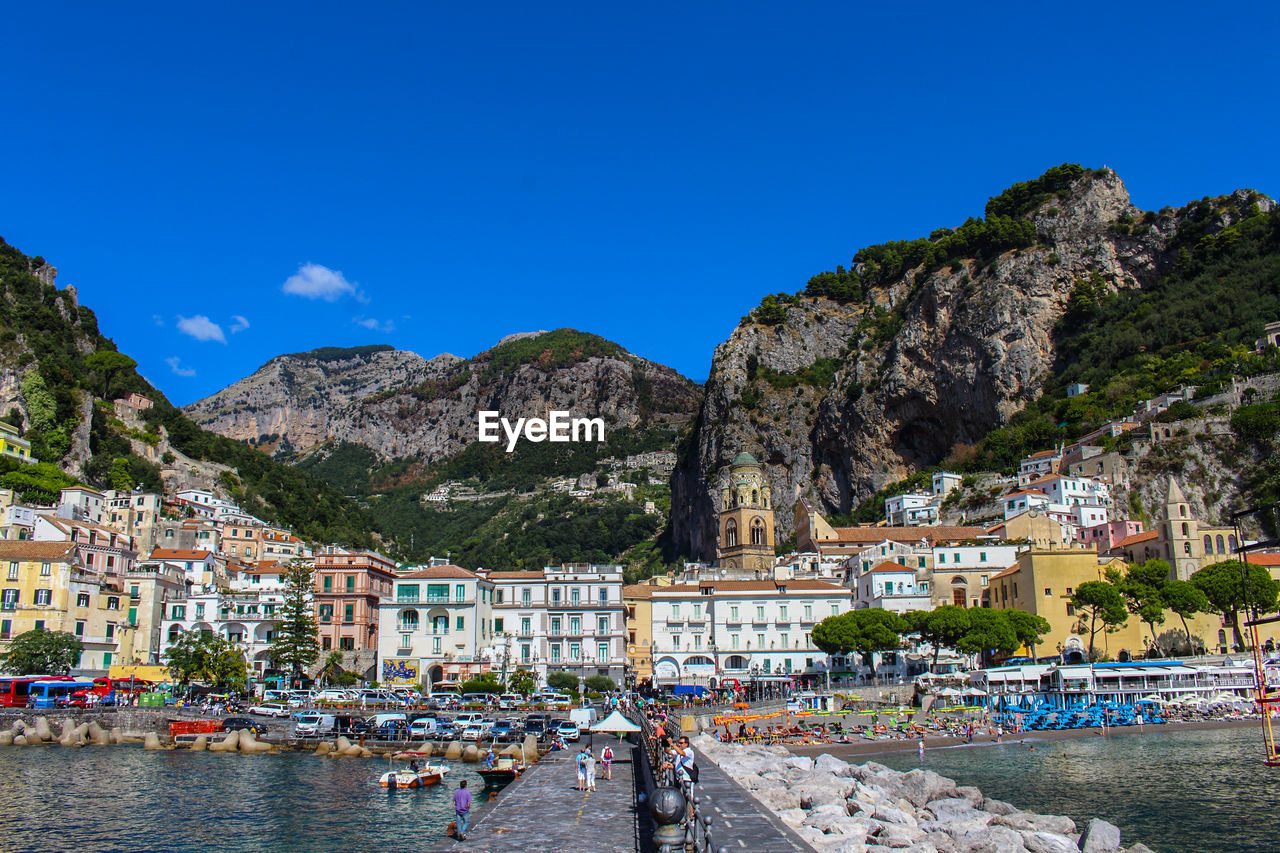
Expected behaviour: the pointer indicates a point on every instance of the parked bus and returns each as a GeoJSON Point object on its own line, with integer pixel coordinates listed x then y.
{"type": "Point", "coordinates": [14, 690]}
{"type": "Point", "coordinates": [47, 693]}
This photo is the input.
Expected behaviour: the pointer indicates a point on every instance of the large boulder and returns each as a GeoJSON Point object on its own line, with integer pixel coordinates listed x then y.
{"type": "Point", "coordinates": [1032, 822]}
{"type": "Point", "coordinates": [1047, 842]}
{"type": "Point", "coordinates": [98, 735]}
{"type": "Point", "coordinates": [827, 763]}
{"type": "Point", "coordinates": [990, 839]}
{"type": "Point", "coordinates": [793, 817]}
{"type": "Point", "coordinates": [152, 741]}
{"type": "Point", "coordinates": [454, 751]}
{"type": "Point", "coordinates": [530, 748]}
{"type": "Point", "coordinates": [73, 735]}
{"type": "Point", "coordinates": [324, 747]}
{"type": "Point", "coordinates": [250, 745]}
{"type": "Point", "coordinates": [200, 744]}
{"type": "Point", "coordinates": [6, 738]}
{"type": "Point", "coordinates": [19, 740]}
{"type": "Point", "coordinates": [824, 815]}
{"type": "Point", "coordinates": [800, 762]}
{"type": "Point", "coordinates": [1100, 837]}
{"type": "Point", "coordinates": [922, 786]}
{"type": "Point", "coordinates": [897, 835]}
{"type": "Point", "coordinates": [471, 753]}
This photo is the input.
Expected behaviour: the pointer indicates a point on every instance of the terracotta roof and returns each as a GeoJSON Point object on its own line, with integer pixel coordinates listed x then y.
{"type": "Point", "coordinates": [1012, 570]}
{"type": "Point", "coordinates": [65, 524]}
{"type": "Point", "coordinates": [1136, 539]}
{"type": "Point", "coordinates": [905, 535]}
{"type": "Point", "coordinates": [888, 566]}
{"type": "Point", "coordinates": [1042, 454]}
{"type": "Point", "coordinates": [26, 549]}
{"type": "Point", "coordinates": [267, 567]}
{"type": "Point", "coordinates": [179, 554]}
{"type": "Point", "coordinates": [1026, 492]}
{"type": "Point", "coordinates": [638, 590]}
{"type": "Point", "coordinates": [1264, 559]}
{"type": "Point", "coordinates": [754, 586]}
{"type": "Point", "coordinates": [522, 575]}
{"type": "Point", "coordinates": [429, 572]}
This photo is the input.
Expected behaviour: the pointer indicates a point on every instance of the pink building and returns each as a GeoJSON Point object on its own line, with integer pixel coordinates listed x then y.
{"type": "Point", "coordinates": [1104, 536]}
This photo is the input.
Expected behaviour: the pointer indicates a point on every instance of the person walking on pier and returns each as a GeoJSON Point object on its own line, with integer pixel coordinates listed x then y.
{"type": "Point", "coordinates": [589, 766]}
{"type": "Point", "coordinates": [606, 762]}
{"type": "Point", "coordinates": [462, 808]}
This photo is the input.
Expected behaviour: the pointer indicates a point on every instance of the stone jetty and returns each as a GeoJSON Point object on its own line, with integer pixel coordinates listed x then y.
{"type": "Point", "coordinates": [838, 807]}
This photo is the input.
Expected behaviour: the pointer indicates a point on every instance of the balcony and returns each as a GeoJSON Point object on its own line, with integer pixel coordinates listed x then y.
{"type": "Point", "coordinates": [406, 627]}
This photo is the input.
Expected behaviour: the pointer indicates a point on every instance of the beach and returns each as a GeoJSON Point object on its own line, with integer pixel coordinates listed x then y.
{"type": "Point", "coordinates": [981, 737]}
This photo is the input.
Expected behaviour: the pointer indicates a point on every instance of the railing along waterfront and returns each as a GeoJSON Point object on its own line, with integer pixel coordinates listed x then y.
{"type": "Point", "coordinates": [683, 822]}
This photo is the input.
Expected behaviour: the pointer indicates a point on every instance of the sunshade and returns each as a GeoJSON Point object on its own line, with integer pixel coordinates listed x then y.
{"type": "Point", "coordinates": [615, 722]}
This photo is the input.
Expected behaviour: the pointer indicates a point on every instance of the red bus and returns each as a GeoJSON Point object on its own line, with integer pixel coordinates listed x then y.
{"type": "Point", "coordinates": [14, 689]}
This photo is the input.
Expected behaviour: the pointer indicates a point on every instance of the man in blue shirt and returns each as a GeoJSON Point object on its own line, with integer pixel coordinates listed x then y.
{"type": "Point", "coordinates": [462, 807]}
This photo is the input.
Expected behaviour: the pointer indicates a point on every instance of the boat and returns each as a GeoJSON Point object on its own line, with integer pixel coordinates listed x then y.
{"type": "Point", "coordinates": [505, 769]}
{"type": "Point", "coordinates": [414, 776]}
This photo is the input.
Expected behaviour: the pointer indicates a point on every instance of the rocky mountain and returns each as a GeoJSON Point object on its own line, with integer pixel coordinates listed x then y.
{"type": "Point", "coordinates": [922, 348]}
{"type": "Point", "coordinates": [402, 406]}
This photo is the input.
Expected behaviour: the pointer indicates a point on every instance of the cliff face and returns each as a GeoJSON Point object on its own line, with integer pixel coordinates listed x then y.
{"type": "Point", "coordinates": [403, 406]}
{"type": "Point", "coordinates": [840, 399]}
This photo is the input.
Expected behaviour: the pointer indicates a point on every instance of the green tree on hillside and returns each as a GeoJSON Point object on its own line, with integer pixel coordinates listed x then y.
{"type": "Point", "coordinates": [108, 364]}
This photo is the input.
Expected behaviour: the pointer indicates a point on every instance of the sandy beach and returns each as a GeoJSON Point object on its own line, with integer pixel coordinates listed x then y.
{"type": "Point", "coordinates": [862, 747]}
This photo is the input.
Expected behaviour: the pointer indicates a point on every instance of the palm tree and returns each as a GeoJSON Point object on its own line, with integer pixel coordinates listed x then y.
{"type": "Point", "coordinates": [332, 667]}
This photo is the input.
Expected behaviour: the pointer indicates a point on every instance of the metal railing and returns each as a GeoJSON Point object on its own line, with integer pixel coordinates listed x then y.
{"type": "Point", "coordinates": [692, 831]}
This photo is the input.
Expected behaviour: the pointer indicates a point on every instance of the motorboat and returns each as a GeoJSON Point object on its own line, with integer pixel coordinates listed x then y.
{"type": "Point", "coordinates": [414, 776]}
{"type": "Point", "coordinates": [505, 769]}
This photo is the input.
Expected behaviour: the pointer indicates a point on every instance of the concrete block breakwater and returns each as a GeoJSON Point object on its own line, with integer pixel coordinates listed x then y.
{"type": "Point", "coordinates": [838, 807]}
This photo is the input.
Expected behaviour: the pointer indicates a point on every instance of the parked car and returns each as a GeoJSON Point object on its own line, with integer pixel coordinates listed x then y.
{"type": "Point", "coordinates": [510, 701]}
{"type": "Point", "coordinates": [235, 724]}
{"type": "Point", "coordinates": [270, 709]}
{"type": "Point", "coordinates": [475, 732]}
{"type": "Point", "coordinates": [569, 731]}
{"type": "Point", "coordinates": [464, 720]}
{"type": "Point", "coordinates": [505, 730]}
{"type": "Point", "coordinates": [422, 728]}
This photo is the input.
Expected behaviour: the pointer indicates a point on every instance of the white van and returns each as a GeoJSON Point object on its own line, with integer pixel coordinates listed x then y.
{"type": "Point", "coordinates": [382, 719]}
{"type": "Point", "coordinates": [464, 720]}
{"type": "Point", "coordinates": [314, 725]}
{"type": "Point", "coordinates": [585, 718]}
{"type": "Point", "coordinates": [423, 727]}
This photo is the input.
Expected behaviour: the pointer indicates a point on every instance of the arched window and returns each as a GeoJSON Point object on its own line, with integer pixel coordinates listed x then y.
{"type": "Point", "coordinates": [1222, 548]}
{"type": "Point", "coordinates": [409, 620]}
{"type": "Point", "coordinates": [730, 533]}
{"type": "Point", "coordinates": [1231, 542]}
{"type": "Point", "coordinates": [1222, 637]}
{"type": "Point", "coordinates": [1186, 530]}
{"type": "Point", "coordinates": [755, 497]}
{"type": "Point", "coordinates": [1182, 508]}
{"type": "Point", "coordinates": [173, 633]}
{"type": "Point", "coordinates": [1208, 544]}
{"type": "Point", "coordinates": [957, 596]}
{"type": "Point", "coordinates": [757, 531]}
{"type": "Point", "coordinates": [957, 581]}
{"type": "Point", "coordinates": [1186, 548]}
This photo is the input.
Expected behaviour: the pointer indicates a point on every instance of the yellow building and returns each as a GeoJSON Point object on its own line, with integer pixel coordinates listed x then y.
{"type": "Point", "coordinates": [638, 600]}
{"type": "Point", "coordinates": [12, 444]}
{"type": "Point", "coordinates": [46, 585]}
{"type": "Point", "coordinates": [1043, 582]}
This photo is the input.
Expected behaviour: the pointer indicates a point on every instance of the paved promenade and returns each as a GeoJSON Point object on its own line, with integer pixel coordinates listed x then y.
{"type": "Point", "coordinates": [739, 822]}
{"type": "Point", "coordinates": [542, 812]}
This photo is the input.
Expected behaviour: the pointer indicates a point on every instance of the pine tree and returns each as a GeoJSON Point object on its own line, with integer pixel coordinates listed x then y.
{"type": "Point", "coordinates": [295, 646]}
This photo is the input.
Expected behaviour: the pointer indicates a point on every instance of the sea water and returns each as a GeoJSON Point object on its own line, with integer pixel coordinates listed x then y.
{"type": "Point", "coordinates": [1173, 790]}
{"type": "Point", "coordinates": [123, 798]}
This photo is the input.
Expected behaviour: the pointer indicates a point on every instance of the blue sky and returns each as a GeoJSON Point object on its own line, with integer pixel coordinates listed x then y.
{"type": "Point", "coordinates": [226, 182]}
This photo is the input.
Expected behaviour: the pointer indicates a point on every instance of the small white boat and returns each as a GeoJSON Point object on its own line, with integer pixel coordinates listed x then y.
{"type": "Point", "coordinates": [411, 777]}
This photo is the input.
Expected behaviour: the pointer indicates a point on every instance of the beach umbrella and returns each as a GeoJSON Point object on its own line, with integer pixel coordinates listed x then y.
{"type": "Point", "coordinates": [948, 691]}
{"type": "Point", "coordinates": [973, 691]}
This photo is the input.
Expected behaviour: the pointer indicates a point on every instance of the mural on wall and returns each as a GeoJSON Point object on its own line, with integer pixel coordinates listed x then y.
{"type": "Point", "coordinates": [400, 672]}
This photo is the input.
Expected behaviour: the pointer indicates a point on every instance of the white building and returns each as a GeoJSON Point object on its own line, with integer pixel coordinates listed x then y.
{"type": "Point", "coordinates": [717, 630]}
{"type": "Point", "coordinates": [246, 619]}
{"type": "Point", "coordinates": [568, 617]}
{"type": "Point", "coordinates": [81, 504]}
{"type": "Point", "coordinates": [913, 509]}
{"type": "Point", "coordinates": [891, 586]}
{"type": "Point", "coordinates": [435, 627]}
{"type": "Point", "coordinates": [961, 573]}
{"type": "Point", "coordinates": [944, 483]}
{"type": "Point", "coordinates": [1038, 465]}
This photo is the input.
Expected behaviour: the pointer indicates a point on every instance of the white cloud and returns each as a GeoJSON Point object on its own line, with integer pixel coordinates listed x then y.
{"type": "Point", "coordinates": [201, 328]}
{"type": "Point", "coordinates": [239, 325]}
{"type": "Point", "coordinates": [159, 321]}
{"type": "Point", "coordinates": [316, 281]}
{"type": "Point", "coordinates": [175, 364]}
{"type": "Point", "coordinates": [374, 324]}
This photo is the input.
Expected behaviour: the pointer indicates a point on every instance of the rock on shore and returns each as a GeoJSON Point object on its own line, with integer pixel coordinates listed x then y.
{"type": "Point", "coordinates": [839, 807]}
